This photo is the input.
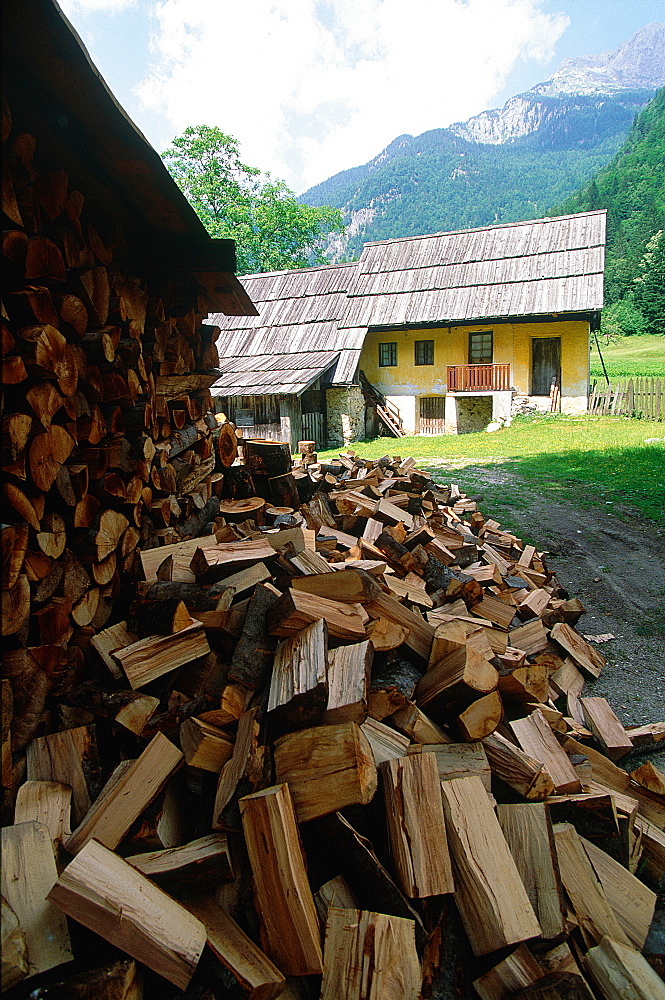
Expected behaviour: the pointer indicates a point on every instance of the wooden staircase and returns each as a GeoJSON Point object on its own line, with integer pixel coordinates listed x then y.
{"type": "Point", "coordinates": [388, 414]}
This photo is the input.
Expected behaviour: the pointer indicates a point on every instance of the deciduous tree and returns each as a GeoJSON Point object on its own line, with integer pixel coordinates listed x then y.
{"type": "Point", "coordinates": [272, 230]}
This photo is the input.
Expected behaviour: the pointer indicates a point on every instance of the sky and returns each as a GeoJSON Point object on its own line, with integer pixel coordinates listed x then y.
{"type": "Point", "coordinates": [311, 87]}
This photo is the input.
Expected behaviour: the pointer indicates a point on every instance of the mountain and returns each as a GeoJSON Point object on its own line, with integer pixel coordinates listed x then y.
{"type": "Point", "coordinates": [632, 189]}
{"type": "Point", "coordinates": [502, 165]}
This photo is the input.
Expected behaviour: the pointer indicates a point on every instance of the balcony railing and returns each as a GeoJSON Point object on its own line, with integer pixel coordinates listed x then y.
{"type": "Point", "coordinates": [478, 378]}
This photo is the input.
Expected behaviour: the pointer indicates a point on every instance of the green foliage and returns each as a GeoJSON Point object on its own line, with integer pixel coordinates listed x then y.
{"type": "Point", "coordinates": [632, 189]}
{"type": "Point", "coordinates": [622, 319]}
{"type": "Point", "coordinates": [438, 181]}
{"type": "Point", "coordinates": [650, 284]}
{"type": "Point", "coordinates": [272, 230]}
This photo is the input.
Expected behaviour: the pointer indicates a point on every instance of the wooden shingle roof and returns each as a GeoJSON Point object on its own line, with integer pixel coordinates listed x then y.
{"type": "Point", "coordinates": [537, 268]}
{"type": "Point", "coordinates": [519, 269]}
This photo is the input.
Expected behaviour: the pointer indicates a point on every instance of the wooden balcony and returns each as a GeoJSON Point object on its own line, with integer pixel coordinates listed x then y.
{"type": "Point", "coordinates": [478, 378]}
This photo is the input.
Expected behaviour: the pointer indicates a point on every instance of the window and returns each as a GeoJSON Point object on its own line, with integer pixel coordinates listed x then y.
{"type": "Point", "coordinates": [480, 348]}
{"type": "Point", "coordinates": [387, 355]}
{"type": "Point", "coordinates": [424, 352]}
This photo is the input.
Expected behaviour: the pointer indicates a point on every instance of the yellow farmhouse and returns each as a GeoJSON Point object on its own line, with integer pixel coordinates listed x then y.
{"type": "Point", "coordinates": [433, 334]}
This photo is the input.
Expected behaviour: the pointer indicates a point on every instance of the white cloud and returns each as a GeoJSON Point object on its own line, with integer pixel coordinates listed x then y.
{"type": "Point", "coordinates": [310, 88]}
{"type": "Point", "coordinates": [74, 7]}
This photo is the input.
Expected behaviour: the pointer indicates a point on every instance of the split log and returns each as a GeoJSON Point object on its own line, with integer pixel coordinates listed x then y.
{"type": "Point", "coordinates": [510, 977]}
{"type": "Point", "coordinates": [212, 563]}
{"type": "Point", "coordinates": [538, 741]}
{"type": "Point", "coordinates": [369, 955]}
{"type": "Point", "coordinates": [253, 655]}
{"type": "Point", "coordinates": [14, 948]}
{"type": "Point", "coordinates": [619, 971]}
{"type": "Point", "coordinates": [420, 632]}
{"type": "Point", "coordinates": [160, 616]}
{"type": "Point", "coordinates": [386, 635]}
{"type": "Point", "coordinates": [244, 772]}
{"type": "Point", "coordinates": [28, 875]}
{"type": "Point", "coordinates": [350, 586]}
{"type": "Point", "coordinates": [385, 742]}
{"type": "Point", "coordinates": [416, 825]}
{"type": "Point", "coordinates": [48, 803]}
{"type": "Point", "coordinates": [458, 760]}
{"type": "Point", "coordinates": [528, 777]}
{"type": "Point", "coordinates": [391, 687]}
{"type": "Point", "coordinates": [632, 901]}
{"type": "Point", "coordinates": [298, 693]}
{"type": "Point", "coordinates": [348, 683]}
{"type": "Point", "coordinates": [528, 832]}
{"type": "Point", "coordinates": [295, 610]}
{"type": "Point", "coordinates": [456, 672]}
{"type": "Point", "coordinates": [127, 793]}
{"type": "Point", "coordinates": [649, 777]}
{"type": "Point", "coordinates": [189, 869]}
{"type": "Point", "coordinates": [145, 660]}
{"type": "Point", "coordinates": [257, 977]}
{"type": "Point", "coordinates": [606, 727]}
{"type": "Point", "coordinates": [583, 653]}
{"type": "Point", "coordinates": [327, 768]}
{"type": "Point", "coordinates": [69, 757]}
{"type": "Point", "coordinates": [481, 718]}
{"type": "Point", "coordinates": [205, 746]}
{"type": "Point", "coordinates": [491, 898]}
{"type": "Point", "coordinates": [283, 897]}
{"type": "Point", "coordinates": [110, 897]}
{"type": "Point", "coordinates": [585, 892]}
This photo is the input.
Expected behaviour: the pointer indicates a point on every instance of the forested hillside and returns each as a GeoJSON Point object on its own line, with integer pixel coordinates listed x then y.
{"type": "Point", "coordinates": [632, 189]}
{"type": "Point", "coordinates": [505, 164]}
{"type": "Point", "coordinates": [441, 181]}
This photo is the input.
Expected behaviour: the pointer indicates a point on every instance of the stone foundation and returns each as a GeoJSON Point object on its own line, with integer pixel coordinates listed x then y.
{"type": "Point", "coordinates": [346, 416]}
{"type": "Point", "coordinates": [541, 404]}
{"type": "Point", "coordinates": [473, 414]}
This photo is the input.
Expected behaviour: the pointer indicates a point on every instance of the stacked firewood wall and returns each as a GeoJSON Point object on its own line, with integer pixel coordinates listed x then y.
{"type": "Point", "coordinates": [107, 429]}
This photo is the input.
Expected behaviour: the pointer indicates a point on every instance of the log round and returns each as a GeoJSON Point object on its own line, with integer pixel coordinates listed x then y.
{"type": "Point", "coordinates": [227, 445]}
{"type": "Point", "coordinates": [270, 458]}
{"type": "Point", "coordinates": [272, 513]}
{"type": "Point", "coordinates": [284, 491]}
{"type": "Point", "coordinates": [237, 511]}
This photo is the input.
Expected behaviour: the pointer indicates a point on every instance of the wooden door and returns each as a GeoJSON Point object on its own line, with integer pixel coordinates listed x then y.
{"type": "Point", "coordinates": [545, 365]}
{"type": "Point", "coordinates": [432, 414]}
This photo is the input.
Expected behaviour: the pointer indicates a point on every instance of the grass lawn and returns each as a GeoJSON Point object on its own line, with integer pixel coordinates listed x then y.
{"type": "Point", "coordinates": [595, 460]}
{"type": "Point", "coordinates": [630, 357]}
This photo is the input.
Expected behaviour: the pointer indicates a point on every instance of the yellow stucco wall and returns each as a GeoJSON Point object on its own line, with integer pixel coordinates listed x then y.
{"type": "Point", "coordinates": [512, 345]}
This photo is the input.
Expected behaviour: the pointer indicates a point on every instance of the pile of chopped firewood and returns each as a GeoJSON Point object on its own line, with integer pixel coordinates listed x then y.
{"type": "Point", "coordinates": [332, 741]}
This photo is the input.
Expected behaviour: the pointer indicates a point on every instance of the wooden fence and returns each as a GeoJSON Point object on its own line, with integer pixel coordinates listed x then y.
{"type": "Point", "coordinates": [633, 397]}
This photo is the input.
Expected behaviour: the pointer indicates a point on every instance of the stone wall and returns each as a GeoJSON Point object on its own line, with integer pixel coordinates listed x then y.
{"type": "Point", "coordinates": [346, 416]}
{"type": "Point", "coordinates": [474, 413]}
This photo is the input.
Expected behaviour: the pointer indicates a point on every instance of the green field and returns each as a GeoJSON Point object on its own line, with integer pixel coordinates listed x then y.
{"type": "Point", "coordinates": [600, 461]}
{"type": "Point", "coordinates": [630, 357]}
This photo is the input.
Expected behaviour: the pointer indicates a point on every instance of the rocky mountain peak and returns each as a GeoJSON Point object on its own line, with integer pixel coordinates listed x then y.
{"type": "Point", "coordinates": [637, 63]}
